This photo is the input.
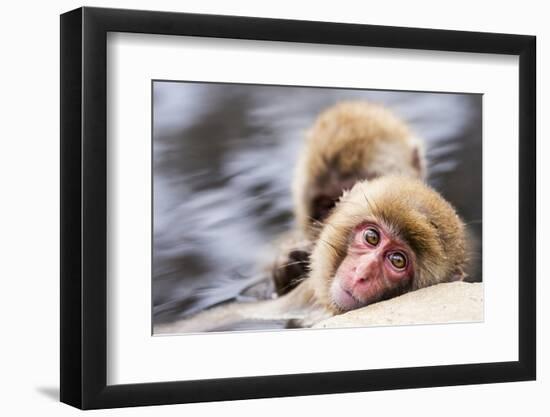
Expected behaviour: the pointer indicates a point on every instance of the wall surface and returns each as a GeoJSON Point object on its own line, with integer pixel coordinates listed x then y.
{"type": "Point", "coordinates": [29, 224]}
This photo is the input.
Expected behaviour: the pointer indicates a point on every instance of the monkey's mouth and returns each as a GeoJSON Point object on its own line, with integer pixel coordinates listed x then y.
{"type": "Point", "coordinates": [344, 299]}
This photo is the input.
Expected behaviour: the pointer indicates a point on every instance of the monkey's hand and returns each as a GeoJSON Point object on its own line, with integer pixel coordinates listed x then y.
{"type": "Point", "coordinates": [292, 264]}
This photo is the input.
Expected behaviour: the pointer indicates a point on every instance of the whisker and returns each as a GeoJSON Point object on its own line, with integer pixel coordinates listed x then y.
{"type": "Point", "coordinates": [315, 221]}
{"type": "Point", "coordinates": [329, 244]}
{"type": "Point", "coordinates": [292, 263]}
{"type": "Point", "coordinates": [294, 282]}
{"type": "Point", "coordinates": [372, 206]}
{"type": "Point", "coordinates": [351, 202]}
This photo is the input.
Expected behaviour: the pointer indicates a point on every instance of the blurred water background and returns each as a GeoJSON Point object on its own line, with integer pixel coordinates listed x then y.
{"type": "Point", "coordinates": [223, 158]}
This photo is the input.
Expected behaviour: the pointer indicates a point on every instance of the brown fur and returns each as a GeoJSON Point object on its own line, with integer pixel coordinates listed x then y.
{"type": "Point", "coordinates": [352, 141]}
{"type": "Point", "coordinates": [409, 209]}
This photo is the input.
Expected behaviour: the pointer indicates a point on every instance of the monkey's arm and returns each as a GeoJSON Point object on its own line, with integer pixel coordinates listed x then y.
{"type": "Point", "coordinates": [293, 306]}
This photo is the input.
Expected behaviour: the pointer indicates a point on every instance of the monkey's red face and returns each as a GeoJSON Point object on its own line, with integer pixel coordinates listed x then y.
{"type": "Point", "coordinates": [376, 266]}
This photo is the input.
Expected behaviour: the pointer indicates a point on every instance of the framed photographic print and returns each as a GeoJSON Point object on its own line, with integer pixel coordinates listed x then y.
{"type": "Point", "coordinates": [258, 207]}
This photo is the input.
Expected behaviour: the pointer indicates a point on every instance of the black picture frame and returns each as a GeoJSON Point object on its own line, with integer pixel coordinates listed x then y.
{"type": "Point", "coordinates": [84, 207]}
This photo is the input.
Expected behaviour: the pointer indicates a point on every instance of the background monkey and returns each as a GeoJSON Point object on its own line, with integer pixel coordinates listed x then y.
{"type": "Point", "coordinates": [348, 142]}
{"type": "Point", "coordinates": [384, 237]}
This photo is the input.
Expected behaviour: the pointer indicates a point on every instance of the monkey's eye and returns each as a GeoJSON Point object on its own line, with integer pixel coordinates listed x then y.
{"type": "Point", "coordinates": [371, 236]}
{"type": "Point", "coordinates": [398, 260]}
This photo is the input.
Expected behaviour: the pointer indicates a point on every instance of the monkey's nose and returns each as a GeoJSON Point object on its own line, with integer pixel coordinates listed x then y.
{"type": "Point", "coordinates": [360, 278]}
{"type": "Point", "coordinates": [365, 269]}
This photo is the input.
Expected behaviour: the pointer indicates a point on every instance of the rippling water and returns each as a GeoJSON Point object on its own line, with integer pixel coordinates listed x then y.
{"type": "Point", "coordinates": [223, 157]}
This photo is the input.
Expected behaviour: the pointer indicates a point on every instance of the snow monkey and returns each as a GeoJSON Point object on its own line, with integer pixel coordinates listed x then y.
{"type": "Point", "coordinates": [383, 238]}
{"type": "Point", "coordinates": [348, 142]}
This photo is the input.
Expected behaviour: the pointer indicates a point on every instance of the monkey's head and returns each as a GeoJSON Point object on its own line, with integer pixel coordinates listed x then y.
{"type": "Point", "coordinates": [386, 237]}
{"type": "Point", "coordinates": [349, 142]}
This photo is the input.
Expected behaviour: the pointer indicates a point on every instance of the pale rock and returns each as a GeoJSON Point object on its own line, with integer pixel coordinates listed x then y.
{"type": "Point", "coordinates": [443, 303]}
